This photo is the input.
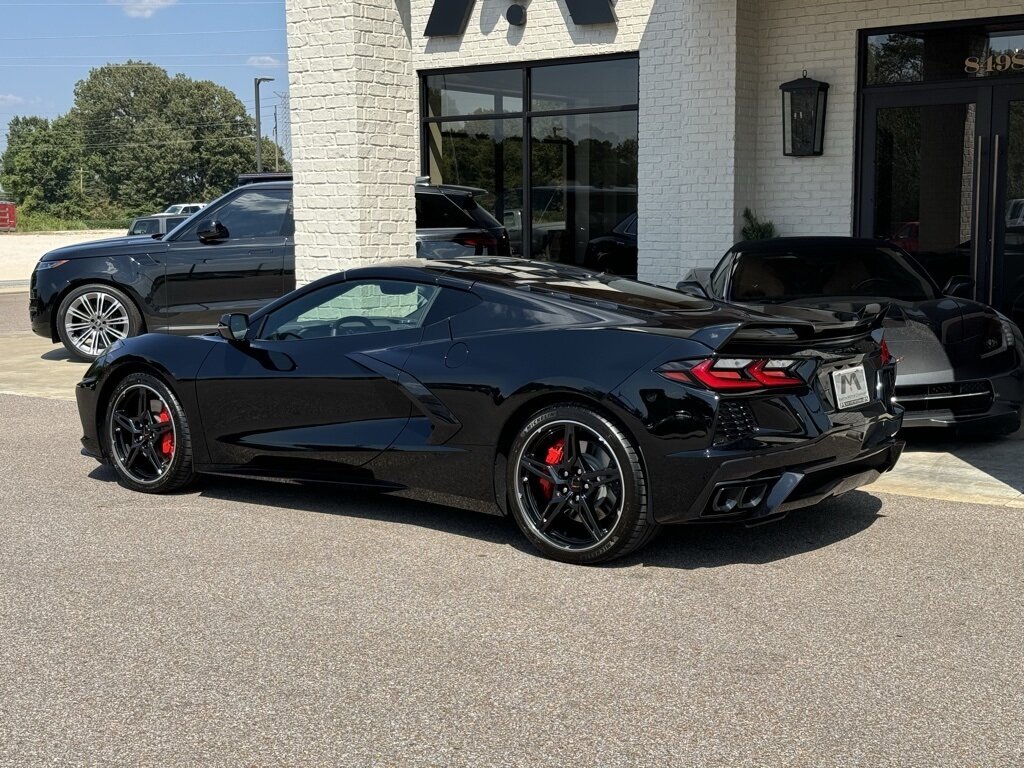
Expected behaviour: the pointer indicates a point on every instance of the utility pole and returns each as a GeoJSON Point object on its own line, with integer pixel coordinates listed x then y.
{"type": "Point", "coordinates": [277, 149]}
{"type": "Point", "coordinates": [259, 142]}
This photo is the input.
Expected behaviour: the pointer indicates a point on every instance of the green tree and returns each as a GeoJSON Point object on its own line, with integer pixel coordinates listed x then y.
{"type": "Point", "coordinates": [134, 141]}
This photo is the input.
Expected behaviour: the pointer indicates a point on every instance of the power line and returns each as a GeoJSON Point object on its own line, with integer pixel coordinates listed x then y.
{"type": "Point", "coordinates": [150, 34]}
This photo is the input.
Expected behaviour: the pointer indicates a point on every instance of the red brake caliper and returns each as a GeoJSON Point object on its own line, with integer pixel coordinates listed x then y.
{"type": "Point", "coordinates": [554, 456]}
{"type": "Point", "coordinates": [167, 441]}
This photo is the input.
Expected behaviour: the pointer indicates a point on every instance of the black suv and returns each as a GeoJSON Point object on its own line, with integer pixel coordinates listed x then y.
{"type": "Point", "coordinates": [236, 255]}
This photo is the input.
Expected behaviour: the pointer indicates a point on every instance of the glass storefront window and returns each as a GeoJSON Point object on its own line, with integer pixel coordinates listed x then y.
{"type": "Point", "coordinates": [578, 180]}
{"type": "Point", "coordinates": [943, 53]}
{"type": "Point", "coordinates": [479, 153]}
{"type": "Point", "coordinates": [474, 93]}
{"type": "Point", "coordinates": [584, 86]}
{"type": "Point", "coordinates": [584, 181]}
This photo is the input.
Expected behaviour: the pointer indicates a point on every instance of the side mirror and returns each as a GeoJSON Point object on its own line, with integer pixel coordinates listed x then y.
{"type": "Point", "coordinates": [692, 287]}
{"type": "Point", "coordinates": [960, 286]}
{"type": "Point", "coordinates": [212, 231]}
{"type": "Point", "coordinates": [233, 327]}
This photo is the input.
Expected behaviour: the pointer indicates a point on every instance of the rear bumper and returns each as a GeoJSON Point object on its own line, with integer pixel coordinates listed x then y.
{"type": "Point", "coordinates": [992, 404]}
{"type": "Point", "coordinates": [772, 483]}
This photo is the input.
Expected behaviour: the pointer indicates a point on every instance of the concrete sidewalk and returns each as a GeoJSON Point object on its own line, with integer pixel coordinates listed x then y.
{"type": "Point", "coordinates": [19, 251]}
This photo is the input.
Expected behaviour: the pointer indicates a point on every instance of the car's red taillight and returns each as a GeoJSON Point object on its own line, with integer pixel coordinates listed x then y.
{"type": "Point", "coordinates": [735, 374]}
{"type": "Point", "coordinates": [483, 244]}
{"type": "Point", "coordinates": [886, 354]}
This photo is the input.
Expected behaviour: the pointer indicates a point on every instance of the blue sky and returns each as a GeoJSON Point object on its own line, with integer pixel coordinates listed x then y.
{"type": "Point", "coordinates": [46, 47]}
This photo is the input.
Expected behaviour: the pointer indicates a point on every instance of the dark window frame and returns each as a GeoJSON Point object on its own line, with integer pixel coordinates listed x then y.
{"type": "Point", "coordinates": [526, 116]}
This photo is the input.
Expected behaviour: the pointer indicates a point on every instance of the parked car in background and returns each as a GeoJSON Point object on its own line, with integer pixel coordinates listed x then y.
{"type": "Point", "coordinates": [451, 224]}
{"type": "Point", "coordinates": [616, 252]}
{"type": "Point", "coordinates": [961, 363]}
{"type": "Point", "coordinates": [591, 410]}
{"type": "Point", "coordinates": [186, 209]}
{"type": "Point", "coordinates": [236, 255]}
{"type": "Point", "coordinates": [154, 224]}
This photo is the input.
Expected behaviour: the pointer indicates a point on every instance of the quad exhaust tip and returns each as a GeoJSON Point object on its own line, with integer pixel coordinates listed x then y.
{"type": "Point", "coordinates": [737, 498]}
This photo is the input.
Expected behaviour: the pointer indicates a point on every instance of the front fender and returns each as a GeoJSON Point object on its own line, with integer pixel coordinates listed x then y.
{"type": "Point", "coordinates": [174, 359]}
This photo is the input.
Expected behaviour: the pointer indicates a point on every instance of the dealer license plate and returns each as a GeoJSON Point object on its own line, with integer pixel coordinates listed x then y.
{"type": "Point", "coordinates": [851, 387]}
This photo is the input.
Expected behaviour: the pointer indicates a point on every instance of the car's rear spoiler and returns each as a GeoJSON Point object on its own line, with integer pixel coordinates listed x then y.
{"type": "Point", "coordinates": [784, 333]}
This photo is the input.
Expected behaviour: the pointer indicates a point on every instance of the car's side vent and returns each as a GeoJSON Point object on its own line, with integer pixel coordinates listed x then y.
{"type": "Point", "coordinates": [735, 422]}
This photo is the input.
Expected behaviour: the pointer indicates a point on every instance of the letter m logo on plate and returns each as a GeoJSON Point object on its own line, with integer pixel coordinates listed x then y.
{"type": "Point", "coordinates": [450, 17]}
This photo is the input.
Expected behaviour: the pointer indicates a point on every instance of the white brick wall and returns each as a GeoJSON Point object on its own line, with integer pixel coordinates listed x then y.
{"type": "Point", "coordinates": [710, 113]}
{"type": "Point", "coordinates": [353, 97]}
{"type": "Point", "coordinates": [811, 196]}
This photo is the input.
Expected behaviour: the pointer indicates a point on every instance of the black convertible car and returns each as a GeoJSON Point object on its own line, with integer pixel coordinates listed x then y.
{"type": "Point", "coordinates": [961, 363]}
{"type": "Point", "coordinates": [590, 408]}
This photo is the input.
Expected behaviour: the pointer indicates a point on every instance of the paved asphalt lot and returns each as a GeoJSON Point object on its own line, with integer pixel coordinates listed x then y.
{"type": "Point", "coordinates": [253, 624]}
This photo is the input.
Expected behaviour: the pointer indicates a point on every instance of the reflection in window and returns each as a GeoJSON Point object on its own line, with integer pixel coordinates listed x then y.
{"type": "Point", "coordinates": [584, 181]}
{"type": "Point", "coordinates": [585, 86]}
{"type": "Point", "coordinates": [943, 53]}
{"type": "Point", "coordinates": [257, 213]}
{"type": "Point", "coordinates": [581, 176]}
{"type": "Point", "coordinates": [487, 154]}
{"type": "Point", "coordinates": [344, 309]}
{"type": "Point", "coordinates": [474, 93]}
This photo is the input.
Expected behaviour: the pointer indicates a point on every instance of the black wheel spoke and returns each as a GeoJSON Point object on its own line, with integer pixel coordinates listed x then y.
{"type": "Point", "coordinates": [125, 423]}
{"type": "Point", "coordinates": [151, 455]}
{"type": "Point", "coordinates": [571, 447]}
{"type": "Point", "coordinates": [553, 510]}
{"type": "Point", "coordinates": [539, 468]}
{"type": "Point", "coordinates": [600, 477]}
{"type": "Point", "coordinates": [161, 428]}
{"type": "Point", "coordinates": [590, 520]}
{"type": "Point", "coordinates": [132, 454]}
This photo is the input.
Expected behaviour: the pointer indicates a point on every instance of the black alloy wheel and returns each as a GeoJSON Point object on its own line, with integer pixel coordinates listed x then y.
{"type": "Point", "coordinates": [577, 488]}
{"type": "Point", "coordinates": [147, 436]}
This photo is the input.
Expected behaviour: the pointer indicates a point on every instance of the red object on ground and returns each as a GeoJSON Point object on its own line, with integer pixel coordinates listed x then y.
{"type": "Point", "coordinates": [8, 217]}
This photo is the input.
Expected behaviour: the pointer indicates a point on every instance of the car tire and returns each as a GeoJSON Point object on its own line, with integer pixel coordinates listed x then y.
{"type": "Point", "coordinates": [146, 436]}
{"type": "Point", "coordinates": [581, 504]}
{"type": "Point", "coordinates": [94, 316]}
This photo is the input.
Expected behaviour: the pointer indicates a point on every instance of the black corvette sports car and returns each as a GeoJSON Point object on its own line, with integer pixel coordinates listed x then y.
{"type": "Point", "coordinates": [961, 363]}
{"type": "Point", "coordinates": [590, 408]}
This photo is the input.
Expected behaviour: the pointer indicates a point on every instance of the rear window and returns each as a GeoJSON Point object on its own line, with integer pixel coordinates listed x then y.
{"type": "Point", "coordinates": [789, 275]}
{"type": "Point", "coordinates": [435, 211]}
{"type": "Point", "coordinates": [145, 227]}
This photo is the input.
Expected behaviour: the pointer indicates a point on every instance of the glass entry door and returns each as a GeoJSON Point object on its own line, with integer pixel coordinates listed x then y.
{"type": "Point", "coordinates": [925, 176]}
{"type": "Point", "coordinates": [942, 175]}
{"type": "Point", "coordinates": [1006, 245]}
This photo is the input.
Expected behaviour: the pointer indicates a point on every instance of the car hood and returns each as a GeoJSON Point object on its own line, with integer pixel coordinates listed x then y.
{"type": "Point", "coordinates": [928, 337]}
{"type": "Point", "coordinates": [108, 247]}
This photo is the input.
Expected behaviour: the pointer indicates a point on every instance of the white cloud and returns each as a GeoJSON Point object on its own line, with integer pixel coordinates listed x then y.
{"type": "Point", "coordinates": [262, 61]}
{"type": "Point", "coordinates": [141, 9]}
{"type": "Point", "coordinates": [9, 100]}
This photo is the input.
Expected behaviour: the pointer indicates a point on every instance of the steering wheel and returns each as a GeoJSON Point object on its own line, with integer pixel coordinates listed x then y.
{"type": "Point", "coordinates": [336, 325]}
{"type": "Point", "coordinates": [863, 284]}
{"type": "Point", "coordinates": [281, 335]}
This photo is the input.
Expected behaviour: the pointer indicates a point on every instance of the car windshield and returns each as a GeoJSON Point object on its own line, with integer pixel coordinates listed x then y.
{"type": "Point", "coordinates": [791, 274]}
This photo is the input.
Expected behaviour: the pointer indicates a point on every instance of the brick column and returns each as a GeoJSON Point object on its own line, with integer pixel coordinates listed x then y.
{"type": "Point", "coordinates": [353, 100]}
{"type": "Point", "coordinates": [698, 111]}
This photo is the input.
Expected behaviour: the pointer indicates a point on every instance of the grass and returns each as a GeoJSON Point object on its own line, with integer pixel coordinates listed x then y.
{"type": "Point", "coordinates": [44, 222]}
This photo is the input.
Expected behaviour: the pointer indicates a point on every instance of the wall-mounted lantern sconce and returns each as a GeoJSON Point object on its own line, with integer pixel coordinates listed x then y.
{"type": "Point", "coordinates": [803, 117]}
